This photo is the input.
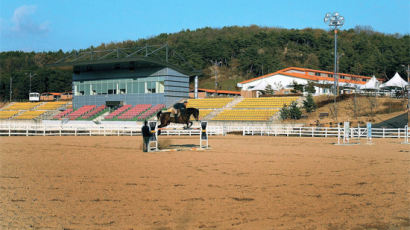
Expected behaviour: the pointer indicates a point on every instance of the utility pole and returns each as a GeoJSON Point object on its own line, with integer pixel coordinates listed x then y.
{"type": "Point", "coordinates": [30, 79]}
{"type": "Point", "coordinates": [408, 93]}
{"type": "Point", "coordinates": [11, 83]}
{"type": "Point", "coordinates": [216, 65]}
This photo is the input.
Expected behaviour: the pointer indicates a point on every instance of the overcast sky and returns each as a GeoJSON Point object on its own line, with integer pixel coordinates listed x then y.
{"type": "Point", "coordinates": [50, 25]}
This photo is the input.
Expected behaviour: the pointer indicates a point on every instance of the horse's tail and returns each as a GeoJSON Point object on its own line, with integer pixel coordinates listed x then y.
{"type": "Point", "coordinates": [159, 114]}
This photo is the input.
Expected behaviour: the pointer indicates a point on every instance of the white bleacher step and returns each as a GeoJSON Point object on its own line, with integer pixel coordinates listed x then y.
{"type": "Point", "coordinates": [226, 107]}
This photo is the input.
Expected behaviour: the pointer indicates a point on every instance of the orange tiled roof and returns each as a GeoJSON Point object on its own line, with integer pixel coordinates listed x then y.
{"type": "Point", "coordinates": [310, 77]}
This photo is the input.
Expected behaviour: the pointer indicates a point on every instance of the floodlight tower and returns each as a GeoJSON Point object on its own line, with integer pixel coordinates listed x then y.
{"type": "Point", "coordinates": [335, 21]}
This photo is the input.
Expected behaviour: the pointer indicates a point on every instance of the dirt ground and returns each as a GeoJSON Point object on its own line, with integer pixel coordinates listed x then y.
{"type": "Point", "coordinates": [241, 183]}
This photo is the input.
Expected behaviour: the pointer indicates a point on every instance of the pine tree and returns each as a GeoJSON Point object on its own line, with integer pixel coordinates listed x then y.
{"type": "Point", "coordinates": [309, 104]}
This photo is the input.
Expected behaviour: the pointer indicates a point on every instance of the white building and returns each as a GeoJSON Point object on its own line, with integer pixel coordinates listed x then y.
{"type": "Point", "coordinates": [283, 80]}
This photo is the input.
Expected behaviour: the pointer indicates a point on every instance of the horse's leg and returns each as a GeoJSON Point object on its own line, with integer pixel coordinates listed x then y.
{"type": "Point", "coordinates": [189, 124]}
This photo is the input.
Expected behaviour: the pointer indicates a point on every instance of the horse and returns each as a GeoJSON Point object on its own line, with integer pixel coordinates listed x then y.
{"type": "Point", "coordinates": [165, 117]}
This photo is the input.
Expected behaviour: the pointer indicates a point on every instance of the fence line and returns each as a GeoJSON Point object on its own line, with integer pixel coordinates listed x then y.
{"type": "Point", "coordinates": [53, 130]}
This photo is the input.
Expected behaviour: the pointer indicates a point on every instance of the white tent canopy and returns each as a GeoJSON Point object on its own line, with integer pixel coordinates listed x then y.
{"type": "Point", "coordinates": [372, 84]}
{"type": "Point", "coordinates": [395, 81]}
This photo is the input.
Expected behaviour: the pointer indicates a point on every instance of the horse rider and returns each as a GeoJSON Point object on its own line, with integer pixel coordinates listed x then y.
{"type": "Point", "coordinates": [178, 109]}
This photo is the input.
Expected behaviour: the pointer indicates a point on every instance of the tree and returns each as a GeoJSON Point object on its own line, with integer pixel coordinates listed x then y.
{"type": "Point", "coordinates": [309, 104]}
{"type": "Point", "coordinates": [310, 87]}
{"type": "Point", "coordinates": [294, 111]}
{"type": "Point", "coordinates": [269, 90]}
{"type": "Point", "coordinates": [284, 112]}
{"type": "Point", "coordinates": [297, 88]}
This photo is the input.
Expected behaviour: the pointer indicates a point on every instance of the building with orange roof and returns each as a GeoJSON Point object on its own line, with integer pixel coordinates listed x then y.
{"type": "Point", "coordinates": [204, 93]}
{"type": "Point", "coordinates": [283, 80]}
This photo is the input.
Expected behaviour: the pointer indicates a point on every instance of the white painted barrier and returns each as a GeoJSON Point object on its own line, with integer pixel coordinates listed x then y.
{"type": "Point", "coordinates": [13, 129]}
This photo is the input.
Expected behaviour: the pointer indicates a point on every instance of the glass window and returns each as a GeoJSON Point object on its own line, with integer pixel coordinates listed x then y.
{"type": "Point", "coordinates": [160, 87]}
{"type": "Point", "coordinates": [129, 87]}
{"type": "Point", "coordinates": [151, 87]}
{"type": "Point", "coordinates": [86, 88]}
{"type": "Point", "coordinates": [104, 89]}
{"type": "Point", "coordinates": [141, 87]}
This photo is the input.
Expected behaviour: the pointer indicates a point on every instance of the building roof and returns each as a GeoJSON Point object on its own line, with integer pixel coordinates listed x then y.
{"type": "Point", "coordinates": [307, 76]}
{"type": "Point", "coordinates": [148, 56]}
{"type": "Point", "coordinates": [219, 91]}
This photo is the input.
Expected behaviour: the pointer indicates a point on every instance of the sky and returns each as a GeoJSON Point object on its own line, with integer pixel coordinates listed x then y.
{"type": "Point", "coordinates": [50, 25]}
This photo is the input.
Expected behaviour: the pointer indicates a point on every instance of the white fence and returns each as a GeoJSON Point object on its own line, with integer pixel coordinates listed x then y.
{"type": "Point", "coordinates": [324, 132]}
{"type": "Point", "coordinates": [277, 130]}
{"type": "Point", "coordinates": [60, 130]}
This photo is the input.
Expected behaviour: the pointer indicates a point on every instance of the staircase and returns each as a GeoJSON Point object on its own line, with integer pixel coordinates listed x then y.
{"type": "Point", "coordinates": [226, 107]}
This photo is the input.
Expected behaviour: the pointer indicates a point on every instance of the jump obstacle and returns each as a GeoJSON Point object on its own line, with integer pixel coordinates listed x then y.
{"type": "Point", "coordinates": [348, 133]}
{"type": "Point", "coordinates": [153, 142]}
{"type": "Point", "coordinates": [345, 135]}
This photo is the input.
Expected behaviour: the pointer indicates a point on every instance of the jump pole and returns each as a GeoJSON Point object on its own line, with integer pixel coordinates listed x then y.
{"type": "Point", "coordinates": [346, 132]}
{"type": "Point", "coordinates": [203, 136]}
{"type": "Point", "coordinates": [369, 133]}
{"type": "Point", "coordinates": [406, 135]}
{"type": "Point", "coordinates": [153, 126]}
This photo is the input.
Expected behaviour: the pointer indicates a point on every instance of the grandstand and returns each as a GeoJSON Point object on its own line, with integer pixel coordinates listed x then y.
{"type": "Point", "coordinates": [7, 114]}
{"type": "Point", "coordinates": [118, 111]}
{"type": "Point", "coordinates": [134, 112]}
{"type": "Point", "coordinates": [151, 112]}
{"type": "Point", "coordinates": [209, 103]}
{"type": "Point", "coordinates": [81, 111]}
{"type": "Point", "coordinates": [29, 115]}
{"type": "Point", "coordinates": [203, 113]}
{"type": "Point", "coordinates": [51, 105]}
{"type": "Point", "coordinates": [94, 113]}
{"type": "Point", "coordinates": [265, 102]}
{"type": "Point", "coordinates": [22, 106]}
{"type": "Point", "coordinates": [63, 114]}
{"type": "Point", "coordinates": [245, 115]}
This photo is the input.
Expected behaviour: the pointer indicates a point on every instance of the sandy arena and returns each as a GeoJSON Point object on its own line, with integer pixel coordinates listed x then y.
{"type": "Point", "coordinates": [241, 183]}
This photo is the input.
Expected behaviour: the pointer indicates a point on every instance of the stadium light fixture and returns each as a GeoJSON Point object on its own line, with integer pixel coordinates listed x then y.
{"type": "Point", "coordinates": [334, 21]}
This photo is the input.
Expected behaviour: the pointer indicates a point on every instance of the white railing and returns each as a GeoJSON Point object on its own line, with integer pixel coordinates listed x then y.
{"type": "Point", "coordinates": [277, 130]}
{"type": "Point", "coordinates": [324, 132]}
{"type": "Point", "coordinates": [53, 130]}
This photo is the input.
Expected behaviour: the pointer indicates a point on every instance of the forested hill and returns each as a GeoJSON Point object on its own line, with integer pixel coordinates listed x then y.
{"type": "Point", "coordinates": [243, 52]}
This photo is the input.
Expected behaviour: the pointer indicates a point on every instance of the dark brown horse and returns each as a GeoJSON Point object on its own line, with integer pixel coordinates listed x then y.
{"type": "Point", "coordinates": [165, 117]}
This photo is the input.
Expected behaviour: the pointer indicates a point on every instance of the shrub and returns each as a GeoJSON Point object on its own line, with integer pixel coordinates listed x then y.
{"type": "Point", "coordinates": [284, 112]}
{"type": "Point", "coordinates": [294, 111]}
{"type": "Point", "coordinates": [309, 104]}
